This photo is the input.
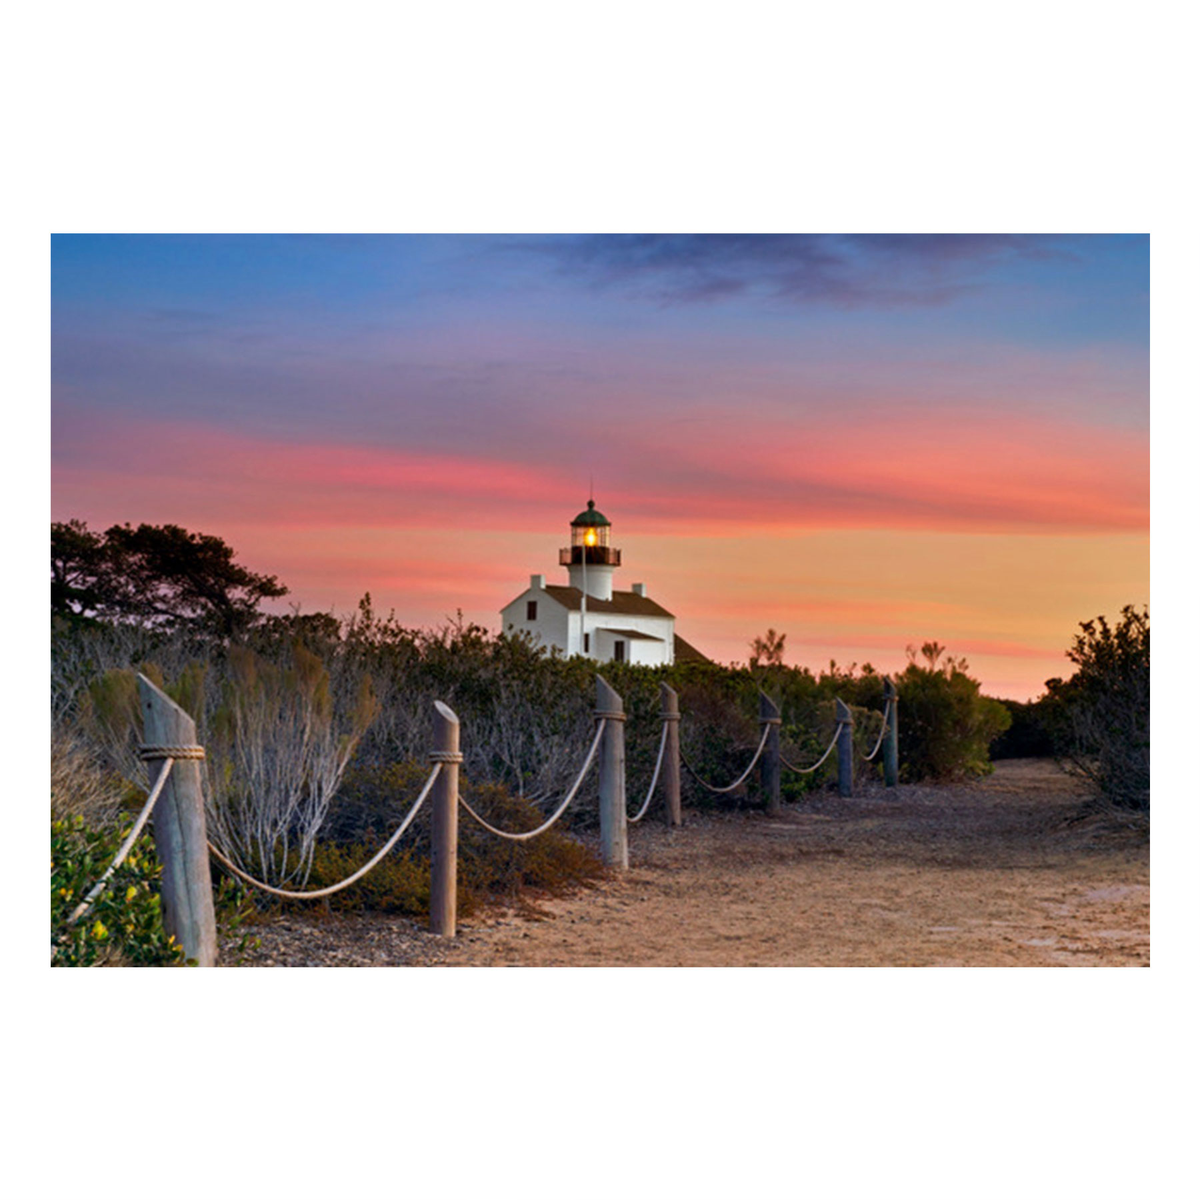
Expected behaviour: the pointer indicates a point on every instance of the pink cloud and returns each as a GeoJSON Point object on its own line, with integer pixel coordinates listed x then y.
{"type": "Point", "coordinates": [939, 471]}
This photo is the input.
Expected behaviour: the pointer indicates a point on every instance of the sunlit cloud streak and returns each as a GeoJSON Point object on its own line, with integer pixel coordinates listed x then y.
{"type": "Point", "coordinates": [974, 474]}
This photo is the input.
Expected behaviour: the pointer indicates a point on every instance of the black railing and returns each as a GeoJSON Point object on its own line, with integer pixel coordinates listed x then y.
{"type": "Point", "coordinates": [597, 556]}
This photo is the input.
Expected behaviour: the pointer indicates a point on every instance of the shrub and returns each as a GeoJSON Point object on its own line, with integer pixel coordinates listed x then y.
{"type": "Point", "coordinates": [1102, 714]}
{"type": "Point", "coordinates": [946, 726]}
{"type": "Point", "coordinates": [1028, 736]}
{"type": "Point", "coordinates": [373, 802]}
{"type": "Point", "coordinates": [124, 926]}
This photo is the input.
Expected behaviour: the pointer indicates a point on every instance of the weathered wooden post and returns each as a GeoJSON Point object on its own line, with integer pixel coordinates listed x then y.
{"type": "Point", "coordinates": [768, 715]}
{"type": "Point", "coordinates": [891, 739]}
{"type": "Point", "coordinates": [845, 740]}
{"type": "Point", "coordinates": [443, 890]}
{"type": "Point", "coordinates": [613, 841]}
{"type": "Point", "coordinates": [670, 768]}
{"type": "Point", "coordinates": [180, 832]}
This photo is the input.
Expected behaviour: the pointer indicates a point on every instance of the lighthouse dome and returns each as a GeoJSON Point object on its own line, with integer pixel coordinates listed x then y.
{"type": "Point", "coordinates": [591, 516]}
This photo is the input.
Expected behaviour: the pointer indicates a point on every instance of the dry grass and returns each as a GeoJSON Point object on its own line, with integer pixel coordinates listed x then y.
{"type": "Point", "coordinates": [80, 785]}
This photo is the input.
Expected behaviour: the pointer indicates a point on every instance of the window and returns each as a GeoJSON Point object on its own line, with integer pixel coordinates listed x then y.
{"type": "Point", "coordinates": [531, 610]}
{"type": "Point", "coordinates": [618, 651]}
{"type": "Point", "coordinates": [587, 642]}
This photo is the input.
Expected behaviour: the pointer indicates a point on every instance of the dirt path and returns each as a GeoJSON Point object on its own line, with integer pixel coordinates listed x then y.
{"type": "Point", "coordinates": [988, 874]}
{"type": "Point", "coordinates": [993, 873]}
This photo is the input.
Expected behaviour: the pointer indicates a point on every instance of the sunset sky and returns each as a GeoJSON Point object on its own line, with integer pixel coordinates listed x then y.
{"type": "Point", "coordinates": [865, 442]}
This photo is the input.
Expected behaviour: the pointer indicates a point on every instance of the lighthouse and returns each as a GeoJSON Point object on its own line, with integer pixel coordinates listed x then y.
{"type": "Point", "coordinates": [588, 615]}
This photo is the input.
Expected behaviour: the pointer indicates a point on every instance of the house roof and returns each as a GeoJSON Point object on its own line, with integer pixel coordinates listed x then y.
{"type": "Point", "coordinates": [685, 652]}
{"type": "Point", "coordinates": [628, 603]}
{"type": "Point", "coordinates": [633, 634]}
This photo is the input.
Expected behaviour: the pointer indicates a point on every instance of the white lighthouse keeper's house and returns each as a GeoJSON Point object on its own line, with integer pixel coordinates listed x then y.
{"type": "Point", "coordinates": [589, 616]}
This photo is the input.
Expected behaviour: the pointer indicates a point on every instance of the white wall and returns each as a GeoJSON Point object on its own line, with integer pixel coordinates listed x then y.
{"type": "Point", "coordinates": [599, 580]}
{"type": "Point", "coordinates": [550, 628]}
{"type": "Point", "coordinates": [653, 654]}
{"type": "Point", "coordinates": [561, 627]}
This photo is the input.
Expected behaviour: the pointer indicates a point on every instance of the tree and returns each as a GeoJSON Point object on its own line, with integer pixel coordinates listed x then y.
{"type": "Point", "coordinates": [78, 569]}
{"type": "Point", "coordinates": [155, 575]}
{"type": "Point", "coordinates": [1103, 710]}
{"type": "Point", "coordinates": [767, 651]}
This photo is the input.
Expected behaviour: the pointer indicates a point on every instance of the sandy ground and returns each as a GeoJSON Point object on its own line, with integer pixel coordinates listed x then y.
{"type": "Point", "coordinates": [995, 873]}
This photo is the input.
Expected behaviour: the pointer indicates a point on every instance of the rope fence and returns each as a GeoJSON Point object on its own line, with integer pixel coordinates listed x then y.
{"type": "Point", "coordinates": [558, 812]}
{"type": "Point", "coordinates": [185, 849]}
{"type": "Point", "coordinates": [130, 838]}
{"type": "Point", "coordinates": [345, 883]}
{"type": "Point", "coordinates": [808, 770]}
{"type": "Point", "coordinates": [662, 746]}
{"type": "Point", "coordinates": [720, 791]}
{"type": "Point", "coordinates": [887, 709]}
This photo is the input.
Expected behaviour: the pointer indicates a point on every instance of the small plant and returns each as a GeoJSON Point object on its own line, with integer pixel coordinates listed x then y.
{"type": "Point", "coordinates": [124, 926]}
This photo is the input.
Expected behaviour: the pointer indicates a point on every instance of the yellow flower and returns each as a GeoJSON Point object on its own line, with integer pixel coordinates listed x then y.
{"type": "Point", "coordinates": [130, 892]}
{"type": "Point", "coordinates": [98, 931]}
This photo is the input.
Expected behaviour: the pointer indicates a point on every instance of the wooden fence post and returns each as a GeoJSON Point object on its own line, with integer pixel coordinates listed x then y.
{"type": "Point", "coordinates": [443, 889]}
{"type": "Point", "coordinates": [891, 739]}
{"type": "Point", "coordinates": [613, 841]}
{"type": "Point", "coordinates": [180, 832]}
{"type": "Point", "coordinates": [768, 714]}
{"type": "Point", "coordinates": [670, 768]}
{"type": "Point", "coordinates": [845, 721]}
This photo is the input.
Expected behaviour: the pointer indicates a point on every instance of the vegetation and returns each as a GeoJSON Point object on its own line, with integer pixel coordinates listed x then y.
{"type": "Point", "coordinates": [1100, 717]}
{"type": "Point", "coordinates": [946, 725]}
{"type": "Point", "coordinates": [1027, 735]}
{"type": "Point", "coordinates": [157, 575]}
{"type": "Point", "coordinates": [124, 926]}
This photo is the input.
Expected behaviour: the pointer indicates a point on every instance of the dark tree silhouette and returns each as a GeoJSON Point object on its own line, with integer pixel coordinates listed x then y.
{"type": "Point", "coordinates": [156, 575]}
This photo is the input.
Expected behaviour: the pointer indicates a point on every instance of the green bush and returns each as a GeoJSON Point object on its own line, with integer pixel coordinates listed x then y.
{"type": "Point", "coordinates": [946, 726]}
{"type": "Point", "coordinates": [1101, 715]}
{"type": "Point", "coordinates": [124, 926]}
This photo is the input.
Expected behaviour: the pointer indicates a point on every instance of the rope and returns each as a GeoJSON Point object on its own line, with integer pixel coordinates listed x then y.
{"type": "Point", "coordinates": [886, 709]}
{"type": "Point", "coordinates": [662, 746]}
{"type": "Point", "coordinates": [562, 808]}
{"type": "Point", "coordinates": [828, 752]}
{"type": "Point", "coordinates": [186, 750]}
{"type": "Point", "coordinates": [126, 845]}
{"type": "Point", "coordinates": [345, 883]}
{"type": "Point", "coordinates": [741, 778]}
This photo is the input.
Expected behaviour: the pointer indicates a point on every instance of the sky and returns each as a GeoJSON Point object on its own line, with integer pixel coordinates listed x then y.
{"type": "Point", "coordinates": [866, 442]}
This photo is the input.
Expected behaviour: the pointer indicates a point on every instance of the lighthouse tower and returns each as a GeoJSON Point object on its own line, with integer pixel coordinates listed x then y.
{"type": "Point", "coordinates": [590, 559]}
